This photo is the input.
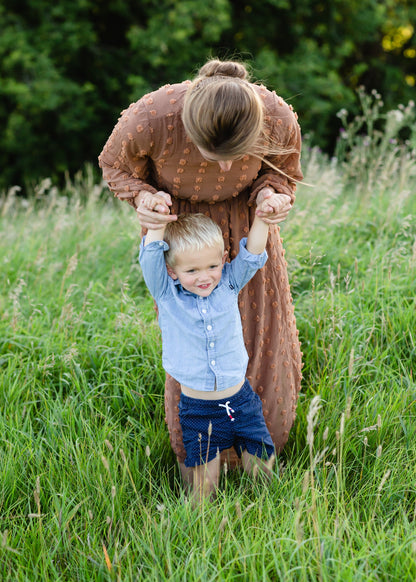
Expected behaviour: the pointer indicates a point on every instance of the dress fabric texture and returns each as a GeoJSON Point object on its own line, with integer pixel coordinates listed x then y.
{"type": "Point", "coordinates": [149, 150]}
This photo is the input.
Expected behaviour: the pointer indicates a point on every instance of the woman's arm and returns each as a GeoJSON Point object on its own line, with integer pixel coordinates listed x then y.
{"type": "Point", "coordinates": [284, 134]}
{"type": "Point", "coordinates": [126, 163]}
{"type": "Point", "coordinates": [125, 157]}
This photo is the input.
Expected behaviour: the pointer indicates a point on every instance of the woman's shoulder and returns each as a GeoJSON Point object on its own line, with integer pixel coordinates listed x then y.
{"type": "Point", "coordinates": [275, 105]}
{"type": "Point", "coordinates": [166, 98]}
{"type": "Point", "coordinates": [156, 108]}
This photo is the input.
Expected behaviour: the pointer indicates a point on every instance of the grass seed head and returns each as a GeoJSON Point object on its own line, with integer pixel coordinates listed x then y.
{"type": "Point", "coordinates": [109, 445]}
{"type": "Point", "coordinates": [312, 418]}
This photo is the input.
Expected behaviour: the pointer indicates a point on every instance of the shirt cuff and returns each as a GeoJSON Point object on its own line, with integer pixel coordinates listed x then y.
{"type": "Point", "coordinates": [155, 245]}
{"type": "Point", "coordinates": [259, 260]}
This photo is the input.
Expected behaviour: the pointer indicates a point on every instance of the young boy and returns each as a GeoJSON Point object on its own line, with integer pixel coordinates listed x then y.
{"type": "Point", "coordinates": [196, 292]}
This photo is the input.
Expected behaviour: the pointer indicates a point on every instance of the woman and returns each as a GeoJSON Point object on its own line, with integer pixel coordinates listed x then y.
{"type": "Point", "coordinates": [215, 145]}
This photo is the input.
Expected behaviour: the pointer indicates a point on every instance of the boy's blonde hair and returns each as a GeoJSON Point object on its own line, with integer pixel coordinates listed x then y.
{"type": "Point", "coordinates": [191, 232]}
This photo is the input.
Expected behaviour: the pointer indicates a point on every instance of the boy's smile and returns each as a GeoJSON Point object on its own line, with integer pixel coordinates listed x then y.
{"type": "Point", "coordinates": [199, 272]}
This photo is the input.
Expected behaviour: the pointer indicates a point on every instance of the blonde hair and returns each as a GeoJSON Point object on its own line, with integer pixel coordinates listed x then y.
{"type": "Point", "coordinates": [191, 232]}
{"type": "Point", "coordinates": [222, 112]}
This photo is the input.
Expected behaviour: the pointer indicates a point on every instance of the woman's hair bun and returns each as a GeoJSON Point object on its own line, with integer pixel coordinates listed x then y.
{"type": "Point", "coordinates": [216, 67]}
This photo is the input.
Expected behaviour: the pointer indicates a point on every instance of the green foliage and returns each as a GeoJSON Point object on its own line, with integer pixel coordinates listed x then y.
{"type": "Point", "coordinates": [316, 54]}
{"type": "Point", "coordinates": [69, 67]}
{"type": "Point", "coordinates": [46, 101]}
{"type": "Point", "coordinates": [174, 41]}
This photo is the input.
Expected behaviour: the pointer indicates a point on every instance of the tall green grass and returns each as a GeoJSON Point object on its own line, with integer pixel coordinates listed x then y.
{"type": "Point", "coordinates": [89, 489]}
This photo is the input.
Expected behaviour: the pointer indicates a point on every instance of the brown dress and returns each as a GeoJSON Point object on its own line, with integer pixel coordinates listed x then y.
{"type": "Point", "coordinates": [149, 150]}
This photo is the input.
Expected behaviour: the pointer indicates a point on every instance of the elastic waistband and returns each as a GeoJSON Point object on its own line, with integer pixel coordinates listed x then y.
{"type": "Point", "coordinates": [217, 395]}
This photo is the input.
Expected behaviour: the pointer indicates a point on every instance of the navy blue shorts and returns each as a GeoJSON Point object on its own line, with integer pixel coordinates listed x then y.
{"type": "Point", "coordinates": [236, 422]}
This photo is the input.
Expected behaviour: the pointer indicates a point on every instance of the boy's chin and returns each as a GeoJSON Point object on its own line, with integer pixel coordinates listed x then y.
{"type": "Point", "coordinates": [203, 292]}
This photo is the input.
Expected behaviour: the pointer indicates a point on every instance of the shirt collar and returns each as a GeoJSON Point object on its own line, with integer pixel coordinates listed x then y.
{"type": "Point", "coordinates": [177, 284]}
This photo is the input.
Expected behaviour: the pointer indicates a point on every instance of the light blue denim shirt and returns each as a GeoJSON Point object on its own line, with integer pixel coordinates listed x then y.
{"type": "Point", "coordinates": [202, 337]}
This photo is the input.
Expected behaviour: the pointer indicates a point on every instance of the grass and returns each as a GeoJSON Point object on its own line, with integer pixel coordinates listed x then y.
{"type": "Point", "coordinates": [89, 489]}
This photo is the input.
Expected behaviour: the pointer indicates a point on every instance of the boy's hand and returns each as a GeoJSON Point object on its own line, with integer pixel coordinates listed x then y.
{"type": "Point", "coordinates": [153, 209]}
{"type": "Point", "coordinates": [272, 207]}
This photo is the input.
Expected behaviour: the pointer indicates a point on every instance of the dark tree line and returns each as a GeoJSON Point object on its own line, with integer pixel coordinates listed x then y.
{"type": "Point", "coordinates": [69, 66]}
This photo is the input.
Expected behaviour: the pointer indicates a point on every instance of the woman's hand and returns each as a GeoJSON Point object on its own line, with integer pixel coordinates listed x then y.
{"type": "Point", "coordinates": [153, 209]}
{"type": "Point", "coordinates": [272, 207]}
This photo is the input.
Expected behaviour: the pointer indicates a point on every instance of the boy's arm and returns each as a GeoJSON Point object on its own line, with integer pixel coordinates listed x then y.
{"type": "Point", "coordinates": [252, 255]}
{"type": "Point", "coordinates": [154, 235]}
{"type": "Point", "coordinates": [152, 261]}
{"type": "Point", "coordinates": [257, 237]}
{"type": "Point", "coordinates": [259, 230]}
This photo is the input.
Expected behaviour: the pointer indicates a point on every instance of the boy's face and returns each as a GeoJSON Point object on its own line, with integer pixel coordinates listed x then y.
{"type": "Point", "coordinates": [199, 271]}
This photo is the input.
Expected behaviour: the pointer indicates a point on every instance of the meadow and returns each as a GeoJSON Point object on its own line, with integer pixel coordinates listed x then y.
{"type": "Point", "coordinates": [89, 488]}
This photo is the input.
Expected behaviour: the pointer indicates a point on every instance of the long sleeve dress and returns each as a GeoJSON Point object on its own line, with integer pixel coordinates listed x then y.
{"type": "Point", "coordinates": [149, 150]}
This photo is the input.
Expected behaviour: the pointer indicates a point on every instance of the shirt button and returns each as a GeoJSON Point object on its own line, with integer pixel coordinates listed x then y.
{"type": "Point", "coordinates": [211, 345]}
{"type": "Point", "coordinates": [212, 362]}
{"type": "Point", "coordinates": [204, 310]}
{"type": "Point", "coordinates": [209, 327]}
{"type": "Point", "coordinates": [161, 243]}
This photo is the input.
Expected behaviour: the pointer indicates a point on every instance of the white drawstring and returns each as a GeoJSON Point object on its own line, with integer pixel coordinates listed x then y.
{"type": "Point", "coordinates": [228, 410]}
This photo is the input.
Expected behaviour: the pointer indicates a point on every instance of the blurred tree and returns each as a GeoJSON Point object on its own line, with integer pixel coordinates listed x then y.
{"type": "Point", "coordinates": [317, 53]}
{"type": "Point", "coordinates": [61, 70]}
{"type": "Point", "coordinates": [69, 67]}
{"type": "Point", "coordinates": [172, 40]}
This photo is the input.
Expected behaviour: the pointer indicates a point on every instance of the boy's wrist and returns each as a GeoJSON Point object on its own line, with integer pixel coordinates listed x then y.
{"type": "Point", "coordinates": [154, 235]}
{"type": "Point", "coordinates": [259, 219]}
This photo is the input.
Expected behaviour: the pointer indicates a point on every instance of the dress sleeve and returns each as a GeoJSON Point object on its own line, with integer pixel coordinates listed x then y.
{"type": "Point", "coordinates": [284, 132]}
{"type": "Point", "coordinates": [126, 158]}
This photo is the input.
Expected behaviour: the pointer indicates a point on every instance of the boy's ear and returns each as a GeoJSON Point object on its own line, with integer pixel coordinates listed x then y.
{"type": "Point", "coordinates": [224, 257]}
{"type": "Point", "coordinates": [171, 273]}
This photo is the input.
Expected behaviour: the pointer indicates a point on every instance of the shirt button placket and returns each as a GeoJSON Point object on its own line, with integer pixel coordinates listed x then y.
{"type": "Point", "coordinates": [212, 351]}
{"type": "Point", "coordinates": [210, 337]}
